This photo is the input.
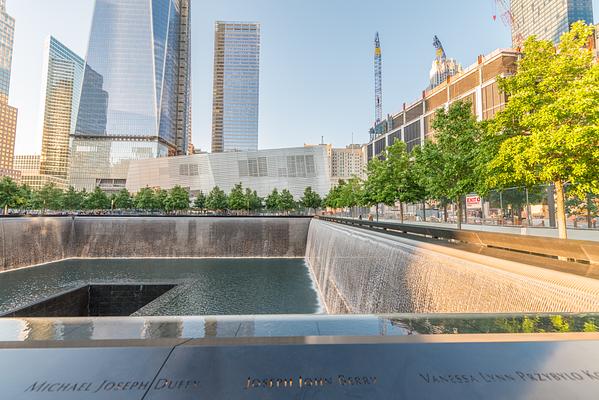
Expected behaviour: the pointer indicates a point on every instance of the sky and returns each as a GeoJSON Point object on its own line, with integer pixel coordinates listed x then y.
{"type": "Point", "coordinates": [317, 73]}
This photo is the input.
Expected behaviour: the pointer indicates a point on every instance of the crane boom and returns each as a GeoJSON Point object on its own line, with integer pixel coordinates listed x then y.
{"type": "Point", "coordinates": [378, 80]}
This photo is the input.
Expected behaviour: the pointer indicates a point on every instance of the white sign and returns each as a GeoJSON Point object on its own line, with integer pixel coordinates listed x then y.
{"type": "Point", "coordinates": [473, 203]}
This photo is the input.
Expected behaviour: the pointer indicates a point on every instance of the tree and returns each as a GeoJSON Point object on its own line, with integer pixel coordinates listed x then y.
{"type": "Point", "coordinates": [177, 199]}
{"type": "Point", "coordinates": [237, 199]}
{"type": "Point", "coordinates": [97, 200]}
{"type": "Point", "coordinates": [351, 193]}
{"type": "Point", "coordinates": [160, 200]}
{"type": "Point", "coordinates": [550, 125]}
{"type": "Point", "coordinates": [49, 197]}
{"type": "Point", "coordinates": [311, 199]}
{"type": "Point", "coordinates": [272, 200]}
{"type": "Point", "coordinates": [72, 199]}
{"type": "Point", "coordinates": [11, 195]}
{"type": "Point", "coordinates": [447, 166]}
{"type": "Point", "coordinates": [334, 198]}
{"type": "Point", "coordinates": [123, 200]}
{"type": "Point", "coordinates": [144, 199]}
{"type": "Point", "coordinates": [217, 200]}
{"type": "Point", "coordinates": [401, 182]}
{"type": "Point", "coordinates": [253, 202]}
{"type": "Point", "coordinates": [374, 185]}
{"type": "Point", "coordinates": [200, 201]}
{"type": "Point", "coordinates": [286, 201]}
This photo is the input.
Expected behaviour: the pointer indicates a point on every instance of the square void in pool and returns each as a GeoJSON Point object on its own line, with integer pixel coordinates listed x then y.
{"type": "Point", "coordinates": [198, 287]}
{"type": "Point", "coordinates": [94, 301]}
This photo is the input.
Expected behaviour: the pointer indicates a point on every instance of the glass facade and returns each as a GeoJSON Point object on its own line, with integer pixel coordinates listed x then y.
{"type": "Point", "coordinates": [8, 114]}
{"type": "Point", "coordinates": [61, 91]}
{"type": "Point", "coordinates": [236, 87]}
{"type": "Point", "coordinates": [134, 98]}
{"type": "Point", "coordinates": [547, 19]}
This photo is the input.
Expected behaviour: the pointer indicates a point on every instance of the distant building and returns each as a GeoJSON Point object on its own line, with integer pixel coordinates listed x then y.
{"type": "Point", "coordinates": [235, 107]}
{"type": "Point", "coordinates": [344, 163]}
{"type": "Point", "coordinates": [547, 19]}
{"type": "Point", "coordinates": [8, 114]}
{"type": "Point", "coordinates": [27, 164]}
{"type": "Point", "coordinates": [263, 170]}
{"type": "Point", "coordinates": [136, 93]}
{"type": "Point", "coordinates": [476, 84]}
{"type": "Point", "coordinates": [29, 171]}
{"type": "Point", "coordinates": [63, 77]}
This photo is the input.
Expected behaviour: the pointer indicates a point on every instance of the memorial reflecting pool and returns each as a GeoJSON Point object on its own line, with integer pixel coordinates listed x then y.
{"type": "Point", "coordinates": [202, 286]}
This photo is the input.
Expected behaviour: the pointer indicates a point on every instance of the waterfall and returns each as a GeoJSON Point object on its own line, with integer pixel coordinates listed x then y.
{"type": "Point", "coordinates": [359, 271]}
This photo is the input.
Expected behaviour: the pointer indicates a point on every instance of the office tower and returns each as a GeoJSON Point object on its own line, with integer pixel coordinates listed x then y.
{"type": "Point", "coordinates": [8, 114]}
{"type": "Point", "coordinates": [135, 97]}
{"type": "Point", "coordinates": [236, 86]}
{"type": "Point", "coordinates": [547, 19]}
{"type": "Point", "coordinates": [63, 77]}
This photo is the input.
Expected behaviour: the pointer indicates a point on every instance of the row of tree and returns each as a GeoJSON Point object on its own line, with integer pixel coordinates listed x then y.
{"type": "Point", "coordinates": [53, 198]}
{"type": "Point", "coordinates": [548, 132]}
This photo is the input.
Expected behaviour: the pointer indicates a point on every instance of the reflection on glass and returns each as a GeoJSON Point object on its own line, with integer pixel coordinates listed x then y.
{"type": "Point", "coordinates": [134, 88]}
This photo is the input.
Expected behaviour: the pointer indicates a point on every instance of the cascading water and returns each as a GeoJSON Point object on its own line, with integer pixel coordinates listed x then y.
{"type": "Point", "coordinates": [363, 272]}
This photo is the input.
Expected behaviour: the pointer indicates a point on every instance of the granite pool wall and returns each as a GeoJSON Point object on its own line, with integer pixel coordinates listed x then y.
{"type": "Point", "coordinates": [31, 241]}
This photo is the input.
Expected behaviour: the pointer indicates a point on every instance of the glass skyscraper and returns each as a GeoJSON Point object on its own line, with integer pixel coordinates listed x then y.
{"type": "Point", "coordinates": [135, 96]}
{"type": "Point", "coordinates": [236, 86]}
{"type": "Point", "coordinates": [8, 114]}
{"type": "Point", "coordinates": [63, 77]}
{"type": "Point", "coordinates": [547, 19]}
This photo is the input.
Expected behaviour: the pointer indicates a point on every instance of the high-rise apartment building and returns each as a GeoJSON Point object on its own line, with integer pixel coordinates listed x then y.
{"type": "Point", "coordinates": [63, 77]}
{"type": "Point", "coordinates": [8, 114]}
{"type": "Point", "coordinates": [547, 19]}
{"type": "Point", "coordinates": [135, 97]}
{"type": "Point", "coordinates": [236, 86]}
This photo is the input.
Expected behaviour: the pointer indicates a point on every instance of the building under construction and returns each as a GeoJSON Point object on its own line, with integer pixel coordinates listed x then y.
{"type": "Point", "coordinates": [476, 84]}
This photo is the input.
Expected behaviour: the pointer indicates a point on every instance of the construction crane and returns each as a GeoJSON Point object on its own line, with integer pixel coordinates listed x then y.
{"type": "Point", "coordinates": [378, 80]}
{"type": "Point", "coordinates": [508, 20]}
{"type": "Point", "coordinates": [440, 51]}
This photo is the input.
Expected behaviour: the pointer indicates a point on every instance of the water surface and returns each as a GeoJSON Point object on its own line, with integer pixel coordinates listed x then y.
{"type": "Point", "coordinates": [205, 286]}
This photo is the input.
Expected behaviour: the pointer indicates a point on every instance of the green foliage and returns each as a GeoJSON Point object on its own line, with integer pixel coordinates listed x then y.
{"type": "Point", "coordinates": [123, 200]}
{"type": "Point", "coordinates": [286, 201]}
{"type": "Point", "coordinates": [589, 326]}
{"type": "Point", "coordinates": [253, 202]}
{"type": "Point", "coordinates": [333, 199]}
{"type": "Point", "coordinates": [73, 199]}
{"type": "Point", "coordinates": [311, 199]}
{"type": "Point", "coordinates": [550, 126]}
{"type": "Point", "coordinates": [374, 186]}
{"type": "Point", "coordinates": [11, 195]}
{"type": "Point", "coordinates": [200, 201]}
{"type": "Point", "coordinates": [144, 199]}
{"type": "Point", "coordinates": [177, 199]}
{"type": "Point", "coordinates": [272, 200]}
{"type": "Point", "coordinates": [400, 178]}
{"type": "Point", "coordinates": [97, 200]}
{"type": "Point", "coordinates": [160, 199]}
{"type": "Point", "coordinates": [236, 198]}
{"type": "Point", "coordinates": [217, 200]}
{"type": "Point", "coordinates": [48, 197]}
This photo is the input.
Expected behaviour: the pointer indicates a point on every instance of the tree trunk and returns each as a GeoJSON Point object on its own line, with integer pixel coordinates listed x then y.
{"type": "Point", "coordinates": [424, 210]}
{"type": "Point", "coordinates": [377, 212]}
{"type": "Point", "coordinates": [445, 217]}
{"type": "Point", "coordinates": [560, 209]}
{"type": "Point", "coordinates": [401, 212]}
{"type": "Point", "coordinates": [459, 202]}
{"type": "Point", "coordinates": [589, 217]}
